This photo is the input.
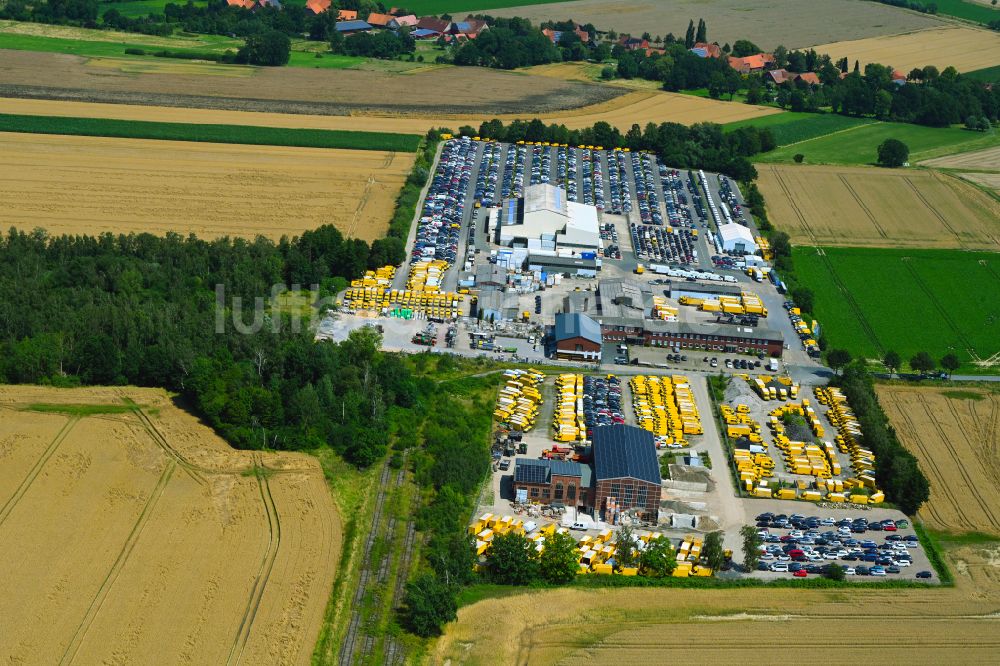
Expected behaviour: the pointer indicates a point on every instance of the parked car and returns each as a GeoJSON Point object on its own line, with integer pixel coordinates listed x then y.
{"type": "Point", "coordinates": [924, 574]}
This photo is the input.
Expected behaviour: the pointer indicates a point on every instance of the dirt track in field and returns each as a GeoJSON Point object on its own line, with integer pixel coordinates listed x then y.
{"type": "Point", "coordinates": [459, 90]}
{"type": "Point", "coordinates": [73, 185]}
{"type": "Point", "coordinates": [966, 49]}
{"type": "Point", "coordinates": [141, 537]}
{"type": "Point", "coordinates": [957, 441]}
{"type": "Point", "coordinates": [789, 22]}
{"type": "Point", "coordinates": [868, 207]}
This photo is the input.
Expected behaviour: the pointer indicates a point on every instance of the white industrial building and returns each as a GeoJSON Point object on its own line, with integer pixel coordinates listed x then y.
{"type": "Point", "coordinates": [544, 219]}
{"type": "Point", "coordinates": [737, 238]}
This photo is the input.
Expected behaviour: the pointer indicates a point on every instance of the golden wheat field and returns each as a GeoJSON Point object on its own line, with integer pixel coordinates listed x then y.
{"type": "Point", "coordinates": [987, 159]}
{"type": "Point", "coordinates": [965, 49]}
{"type": "Point", "coordinates": [868, 207]}
{"type": "Point", "coordinates": [704, 626]}
{"type": "Point", "coordinates": [633, 107]}
{"type": "Point", "coordinates": [73, 185]}
{"type": "Point", "coordinates": [132, 534]}
{"type": "Point", "coordinates": [956, 436]}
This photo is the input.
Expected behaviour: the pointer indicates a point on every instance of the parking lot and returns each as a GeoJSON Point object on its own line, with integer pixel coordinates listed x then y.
{"type": "Point", "coordinates": [870, 544]}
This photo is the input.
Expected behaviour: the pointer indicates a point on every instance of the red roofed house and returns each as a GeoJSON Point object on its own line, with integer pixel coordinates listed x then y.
{"type": "Point", "coordinates": [378, 20]}
{"type": "Point", "coordinates": [470, 27]}
{"type": "Point", "coordinates": [317, 7]}
{"type": "Point", "coordinates": [409, 21]}
{"type": "Point", "coordinates": [556, 35]}
{"type": "Point", "coordinates": [434, 24]}
{"type": "Point", "coordinates": [347, 15]}
{"type": "Point", "coordinates": [633, 43]}
{"type": "Point", "coordinates": [751, 64]}
{"type": "Point", "coordinates": [245, 4]}
{"type": "Point", "coordinates": [779, 76]}
{"type": "Point", "coordinates": [711, 50]}
{"type": "Point", "coordinates": [809, 77]}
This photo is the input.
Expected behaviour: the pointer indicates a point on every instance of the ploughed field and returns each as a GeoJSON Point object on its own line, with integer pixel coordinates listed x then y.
{"type": "Point", "coordinates": [132, 534]}
{"type": "Point", "coordinates": [789, 22]}
{"type": "Point", "coordinates": [869, 301]}
{"type": "Point", "coordinates": [459, 90]}
{"type": "Point", "coordinates": [75, 185]}
{"type": "Point", "coordinates": [965, 49]}
{"type": "Point", "coordinates": [955, 433]}
{"type": "Point", "coordinates": [868, 207]}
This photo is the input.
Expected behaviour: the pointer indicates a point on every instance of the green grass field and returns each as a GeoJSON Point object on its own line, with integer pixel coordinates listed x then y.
{"type": "Point", "coordinates": [990, 74]}
{"type": "Point", "coordinates": [938, 301]}
{"type": "Point", "coordinates": [241, 134]}
{"type": "Point", "coordinates": [970, 11]}
{"type": "Point", "coordinates": [134, 8]}
{"type": "Point", "coordinates": [791, 127]}
{"type": "Point", "coordinates": [859, 145]}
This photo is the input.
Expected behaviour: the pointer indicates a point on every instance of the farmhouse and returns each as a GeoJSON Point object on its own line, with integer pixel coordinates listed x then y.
{"type": "Point", "coordinates": [347, 15]}
{"type": "Point", "coordinates": [557, 35]}
{"type": "Point", "coordinates": [626, 472]}
{"type": "Point", "coordinates": [470, 27]}
{"type": "Point", "coordinates": [705, 50]}
{"type": "Point", "coordinates": [552, 481]}
{"type": "Point", "coordinates": [577, 337]}
{"type": "Point", "coordinates": [352, 27]}
{"type": "Point", "coordinates": [752, 64]}
{"type": "Point", "coordinates": [317, 7]}
{"type": "Point", "coordinates": [633, 43]}
{"type": "Point", "coordinates": [407, 21]}
{"type": "Point", "coordinates": [436, 25]}
{"type": "Point", "coordinates": [377, 20]}
{"type": "Point", "coordinates": [737, 238]}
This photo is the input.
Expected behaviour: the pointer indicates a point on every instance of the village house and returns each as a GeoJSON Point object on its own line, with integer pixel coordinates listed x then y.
{"type": "Point", "coordinates": [705, 50]}
{"type": "Point", "coordinates": [752, 64]}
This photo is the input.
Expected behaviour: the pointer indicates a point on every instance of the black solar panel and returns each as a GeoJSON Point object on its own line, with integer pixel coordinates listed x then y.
{"type": "Point", "coordinates": [625, 451]}
{"type": "Point", "coordinates": [531, 471]}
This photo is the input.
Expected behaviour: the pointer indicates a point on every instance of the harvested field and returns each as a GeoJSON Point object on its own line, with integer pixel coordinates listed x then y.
{"type": "Point", "coordinates": [991, 180]}
{"type": "Point", "coordinates": [979, 160]}
{"type": "Point", "coordinates": [73, 185]}
{"type": "Point", "coordinates": [788, 22]}
{"type": "Point", "coordinates": [634, 107]}
{"type": "Point", "coordinates": [468, 90]}
{"type": "Point", "coordinates": [868, 207]}
{"type": "Point", "coordinates": [642, 626]}
{"type": "Point", "coordinates": [956, 436]}
{"type": "Point", "coordinates": [180, 553]}
{"type": "Point", "coordinates": [942, 47]}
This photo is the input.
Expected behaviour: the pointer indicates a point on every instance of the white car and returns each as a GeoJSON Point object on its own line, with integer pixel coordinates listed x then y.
{"type": "Point", "coordinates": [766, 556]}
{"type": "Point", "coordinates": [578, 526]}
{"type": "Point", "coordinates": [850, 571]}
{"type": "Point", "coordinates": [830, 556]}
{"type": "Point", "coordinates": [902, 563]}
{"type": "Point", "coordinates": [779, 566]}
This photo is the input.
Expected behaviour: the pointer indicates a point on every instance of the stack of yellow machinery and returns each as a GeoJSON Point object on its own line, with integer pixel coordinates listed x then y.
{"type": "Point", "coordinates": [661, 310]}
{"type": "Point", "coordinates": [688, 556]}
{"type": "Point", "coordinates": [423, 294]}
{"type": "Point", "coordinates": [665, 406]}
{"type": "Point", "coordinates": [489, 525]}
{"type": "Point", "coordinates": [769, 387]}
{"type": "Point", "coordinates": [848, 431]}
{"type": "Point", "coordinates": [764, 247]}
{"type": "Point", "coordinates": [569, 424]}
{"type": "Point", "coordinates": [518, 400]}
{"type": "Point", "coordinates": [739, 423]}
{"type": "Point", "coordinates": [746, 303]}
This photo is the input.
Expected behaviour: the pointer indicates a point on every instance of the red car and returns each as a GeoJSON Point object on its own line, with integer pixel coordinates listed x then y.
{"type": "Point", "coordinates": [889, 527]}
{"type": "Point", "coordinates": [801, 573]}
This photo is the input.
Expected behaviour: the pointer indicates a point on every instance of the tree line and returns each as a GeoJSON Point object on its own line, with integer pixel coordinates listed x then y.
{"type": "Point", "coordinates": [700, 146]}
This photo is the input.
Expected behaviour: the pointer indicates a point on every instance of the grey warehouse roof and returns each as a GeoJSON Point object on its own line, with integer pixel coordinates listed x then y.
{"type": "Point", "coordinates": [625, 451]}
{"type": "Point", "coordinates": [577, 325]}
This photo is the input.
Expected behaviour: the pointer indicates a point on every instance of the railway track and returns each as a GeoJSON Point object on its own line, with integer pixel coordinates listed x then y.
{"type": "Point", "coordinates": [123, 554]}
{"type": "Point", "coordinates": [266, 566]}
{"type": "Point", "coordinates": [36, 469]}
{"type": "Point", "coordinates": [349, 646]}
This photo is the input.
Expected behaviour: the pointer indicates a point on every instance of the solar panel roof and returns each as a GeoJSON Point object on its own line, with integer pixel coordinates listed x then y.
{"type": "Point", "coordinates": [625, 451]}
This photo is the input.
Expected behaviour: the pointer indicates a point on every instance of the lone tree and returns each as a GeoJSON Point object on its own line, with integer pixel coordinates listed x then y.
{"type": "Point", "coordinates": [558, 562]}
{"type": "Point", "coordinates": [893, 153]}
{"type": "Point", "coordinates": [751, 547]}
{"type": "Point", "coordinates": [891, 361]}
{"type": "Point", "coordinates": [712, 552]}
{"type": "Point", "coordinates": [512, 560]}
{"type": "Point", "coordinates": [950, 363]}
{"type": "Point", "coordinates": [272, 49]}
{"type": "Point", "coordinates": [627, 552]}
{"type": "Point", "coordinates": [838, 358]}
{"type": "Point", "coordinates": [835, 572]}
{"type": "Point", "coordinates": [659, 559]}
{"type": "Point", "coordinates": [428, 606]}
{"type": "Point", "coordinates": [922, 363]}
